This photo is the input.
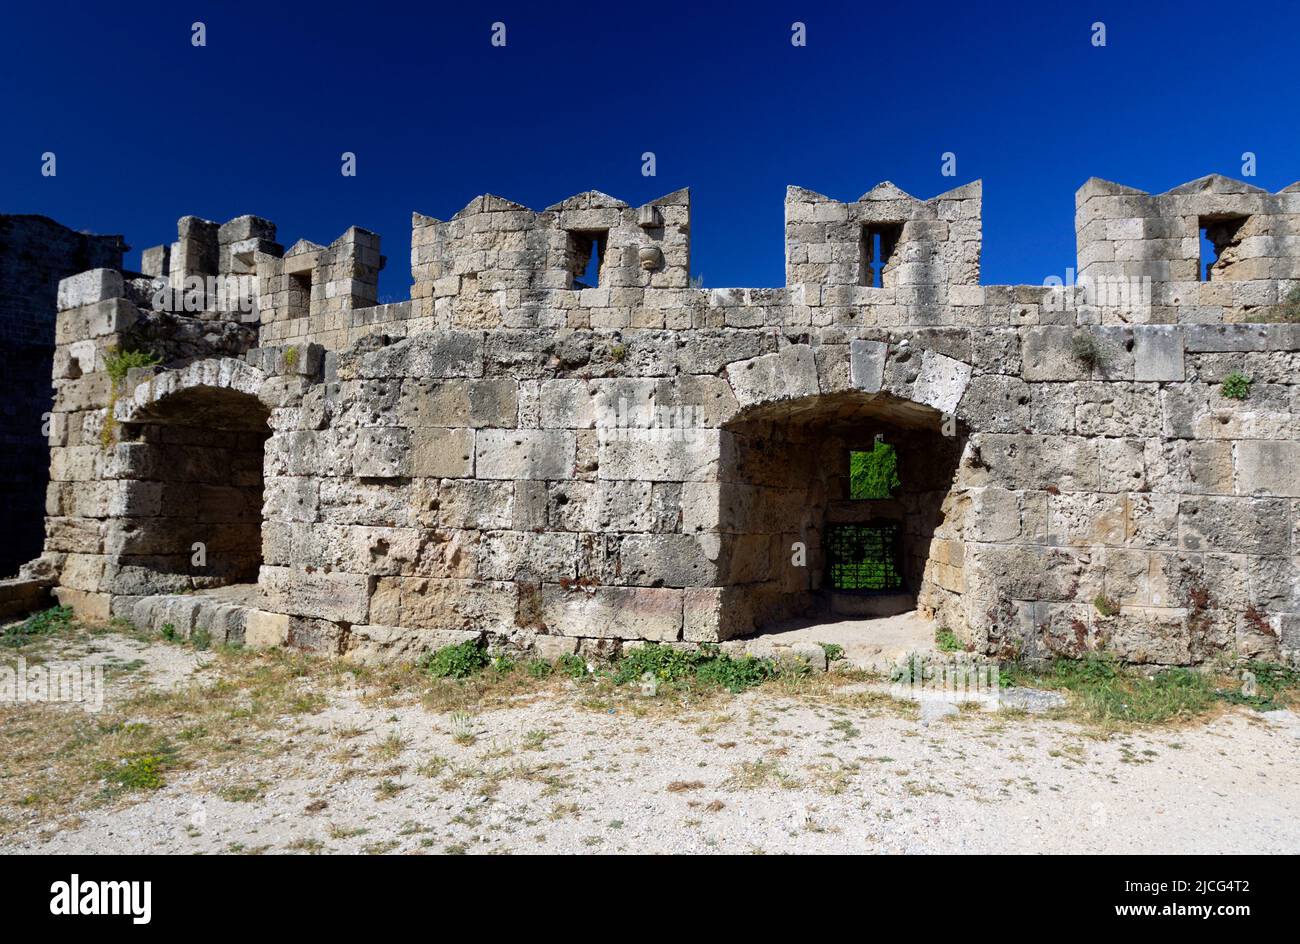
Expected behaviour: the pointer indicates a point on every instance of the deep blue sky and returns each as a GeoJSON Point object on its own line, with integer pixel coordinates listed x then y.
{"type": "Point", "coordinates": [148, 128]}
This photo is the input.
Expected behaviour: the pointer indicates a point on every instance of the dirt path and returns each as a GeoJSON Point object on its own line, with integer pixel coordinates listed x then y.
{"type": "Point", "coordinates": [766, 773]}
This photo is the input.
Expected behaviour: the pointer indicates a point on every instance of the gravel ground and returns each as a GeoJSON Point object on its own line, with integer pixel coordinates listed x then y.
{"type": "Point", "coordinates": [766, 773]}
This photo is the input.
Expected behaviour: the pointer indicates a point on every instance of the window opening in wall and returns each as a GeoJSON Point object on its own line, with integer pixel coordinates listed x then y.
{"type": "Point", "coordinates": [873, 473]}
{"type": "Point", "coordinates": [1218, 234]}
{"type": "Point", "coordinates": [588, 253]}
{"type": "Point", "coordinates": [301, 282]}
{"type": "Point", "coordinates": [867, 557]}
{"type": "Point", "coordinates": [879, 240]}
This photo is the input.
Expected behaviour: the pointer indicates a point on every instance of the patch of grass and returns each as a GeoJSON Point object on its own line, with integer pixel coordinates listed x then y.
{"type": "Point", "coordinates": [1277, 687]}
{"type": "Point", "coordinates": [45, 623]}
{"type": "Point", "coordinates": [242, 793]}
{"type": "Point", "coordinates": [390, 747]}
{"type": "Point", "coordinates": [1105, 605]}
{"type": "Point", "coordinates": [1236, 386]}
{"type": "Point", "coordinates": [1106, 692]}
{"type": "Point", "coordinates": [433, 767]}
{"type": "Point", "coordinates": [751, 775]}
{"type": "Point", "coordinates": [119, 363]}
{"type": "Point", "coordinates": [136, 772]}
{"type": "Point", "coordinates": [705, 666]}
{"type": "Point", "coordinates": [462, 728]}
{"type": "Point", "coordinates": [681, 786]}
{"type": "Point", "coordinates": [947, 640]}
{"type": "Point", "coordinates": [459, 661]}
{"type": "Point", "coordinates": [539, 668]}
{"type": "Point", "coordinates": [536, 740]}
{"type": "Point", "coordinates": [61, 760]}
{"type": "Point", "coordinates": [572, 666]}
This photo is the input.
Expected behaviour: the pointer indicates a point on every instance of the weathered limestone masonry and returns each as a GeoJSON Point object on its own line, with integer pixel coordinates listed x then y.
{"type": "Point", "coordinates": [35, 253]}
{"type": "Point", "coordinates": [514, 453]}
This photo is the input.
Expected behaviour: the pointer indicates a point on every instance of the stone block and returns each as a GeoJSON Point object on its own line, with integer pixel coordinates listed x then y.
{"type": "Point", "coordinates": [429, 603]}
{"type": "Point", "coordinates": [1267, 467]}
{"type": "Point", "coordinates": [867, 364]}
{"type": "Point", "coordinates": [86, 288]}
{"type": "Point", "coordinates": [942, 382]}
{"type": "Point", "coordinates": [528, 454]}
{"type": "Point", "coordinates": [334, 596]}
{"type": "Point", "coordinates": [265, 630]}
{"type": "Point", "coordinates": [1233, 525]}
{"type": "Point", "coordinates": [1047, 354]}
{"type": "Point", "coordinates": [382, 452]}
{"type": "Point", "coordinates": [1158, 353]}
{"type": "Point", "coordinates": [786, 375]}
{"type": "Point", "coordinates": [614, 612]}
{"type": "Point", "coordinates": [442, 453]}
{"type": "Point", "coordinates": [668, 560]}
{"type": "Point", "coordinates": [87, 606]}
{"type": "Point", "coordinates": [704, 456]}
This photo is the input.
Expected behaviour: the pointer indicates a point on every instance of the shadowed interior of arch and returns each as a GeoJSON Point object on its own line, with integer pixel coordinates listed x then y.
{"type": "Point", "coordinates": [195, 476]}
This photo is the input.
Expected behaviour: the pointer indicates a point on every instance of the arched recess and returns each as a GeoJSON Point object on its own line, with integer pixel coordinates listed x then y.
{"type": "Point", "coordinates": [193, 448]}
{"type": "Point", "coordinates": [787, 496]}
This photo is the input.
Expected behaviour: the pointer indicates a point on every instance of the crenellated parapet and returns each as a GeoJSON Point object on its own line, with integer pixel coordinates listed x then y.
{"type": "Point", "coordinates": [470, 270]}
{"type": "Point", "coordinates": [885, 240]}
{"type": "Point", "coordinates": [1209, 251]}
{"type": "Point", "coordinates": [313, 291]}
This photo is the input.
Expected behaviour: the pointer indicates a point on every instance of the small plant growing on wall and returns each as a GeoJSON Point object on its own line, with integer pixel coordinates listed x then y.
{"type": "Point", "coordinates": [1086, 350]}
{"type": "Point", "coordinates": [119, 364]}
{"type": "Point", "coordinates": [1236, 385]}
{"type": "Point", "coordinates": [1105, 605]}
{"type": "Point", "coordinates": [1288, 310]}
{"type": "Point", "coordinates": [873, 474]}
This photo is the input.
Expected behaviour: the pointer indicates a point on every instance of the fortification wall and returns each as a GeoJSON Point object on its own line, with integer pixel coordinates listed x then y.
{"type": "Point", "coordinates": [513, 453]}
{"type": "Point", "coordinates": [35, 253]}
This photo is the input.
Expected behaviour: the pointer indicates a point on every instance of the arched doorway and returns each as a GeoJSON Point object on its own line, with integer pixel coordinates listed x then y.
{"type": "Point", "coordinates": [195, 446]}
{"type": "Point", "coordinates": [844, 505]}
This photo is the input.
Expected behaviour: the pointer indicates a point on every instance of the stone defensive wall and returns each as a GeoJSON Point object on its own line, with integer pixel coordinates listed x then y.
{"type": "Point", "coordinates": [561, 443]}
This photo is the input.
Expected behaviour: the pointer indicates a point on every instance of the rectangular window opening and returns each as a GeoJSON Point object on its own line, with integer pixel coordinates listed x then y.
{"type": "Point", "coordinates": [1219, 234]}
{"type": "Point", "coordinates": [299, 293]}
{"type": "Point", "coordinates": [879, 240]}
{"type": "Point", "coordinates": [873, 473]}
{"type": "Point", "coordinates": [587, 255]}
